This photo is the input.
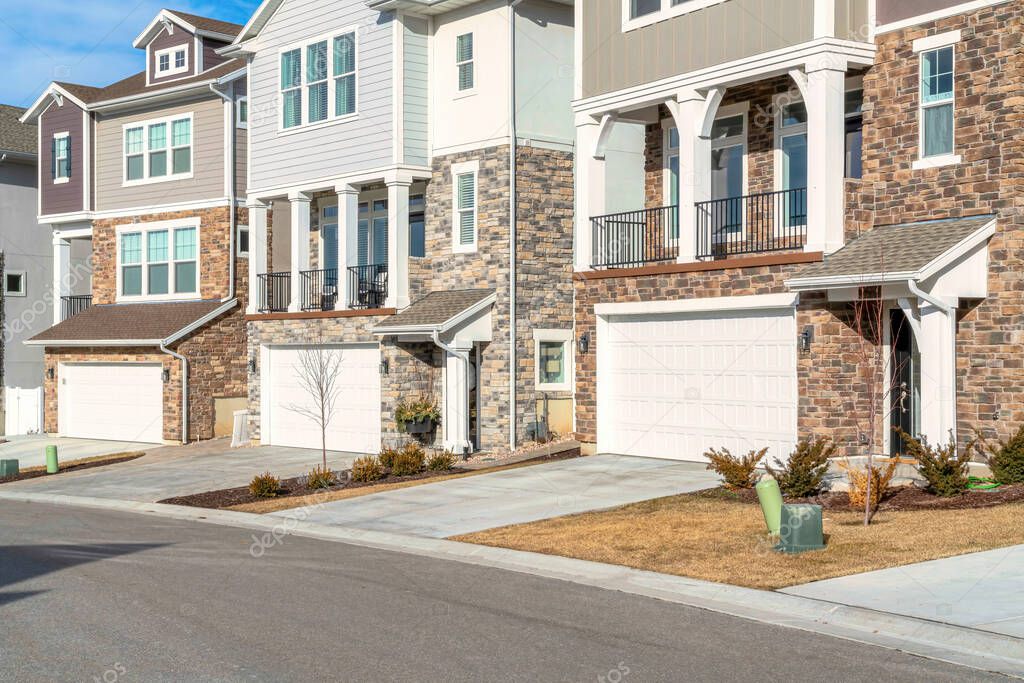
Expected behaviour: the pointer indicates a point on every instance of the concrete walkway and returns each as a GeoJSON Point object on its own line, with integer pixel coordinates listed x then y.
{"type": "Point", "coordinates": [169, 471]}
{"type": "Point", "coordinates": [30, 450]}
{"type": "Point", "coordinates": [527, 494]}
{"type": "Point", "coordinates": [982, 591]}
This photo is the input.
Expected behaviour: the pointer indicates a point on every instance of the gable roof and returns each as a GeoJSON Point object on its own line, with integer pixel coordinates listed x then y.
{"type": "Point", "coordinates": [127, 324]}
{"type": "Point", "coordinates": [136, 84]}
{"type": "Point", "coordinates": [193, 23]}
{"type": "Point", "coordinates": [438, 310]}
{"type": "Point", "coordinates": [16, 137]}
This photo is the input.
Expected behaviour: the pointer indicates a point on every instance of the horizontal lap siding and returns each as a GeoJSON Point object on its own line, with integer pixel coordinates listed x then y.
{"type": "Point", "coordinates": [333, 149]}
{"type": "Point", "coordinates": [165, 40]}
{"type": "Point", "coordinates": [415, 91]}
{"type": "Point", "coordinates": [61, 197]}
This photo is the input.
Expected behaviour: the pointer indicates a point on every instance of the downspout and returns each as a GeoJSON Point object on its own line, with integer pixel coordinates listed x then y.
{"type": "Point", "coordinates": [232, 140]}
{"type": "Point", "coordinates": [184, 390]}
{"type": "Point", "coordinates": [464, 357]}
{"type": "Point", "coordinates": [513, 219]}
{"type": "Point", "coordinates": [950, 312]}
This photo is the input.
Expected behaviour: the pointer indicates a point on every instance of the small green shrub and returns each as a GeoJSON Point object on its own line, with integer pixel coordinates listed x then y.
{"type": "Point", "coordinates": [416, 410]}
{"type": "Point", "coordinates": [319, 478]}
{"type": "Point", "coordinates": [804, 473]}
{"type": "Point", "coordinates": [410, 460]}
{"type": "Point", "coordinates": [265, 485]}
{"type": "Point", "coordinates": [441, 461]}
{"type": "Point", "coordinates": [1005, 458]}
{"type": "Point", "coordinates": [945, 469]}
{"type": "Point", "coordinates": [738, 472]}
{"type": "Point", "coordinates": [387, 457]}
{"type": "Point", "coordinates": [367, 469]}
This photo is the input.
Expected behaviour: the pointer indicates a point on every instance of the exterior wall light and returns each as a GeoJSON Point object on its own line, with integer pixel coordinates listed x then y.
{"type": "Point", "coordinates": [807, 338]}
{"type": "Point", "coordinates": [252, 366]}
{"type": "Point", "coordinates": [385, 367]}
{"type": "Point", "coordinates": [166, 375]}
{"type": "Point", "coordinates": [49, 373]}
{"type": "Point", "coordinates": [584, 343]}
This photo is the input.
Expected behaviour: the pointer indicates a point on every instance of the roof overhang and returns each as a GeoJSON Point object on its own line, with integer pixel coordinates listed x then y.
{"type": "Point", "coordinates": [53, 93]}
{"type": "Point", "coordinates": [165, 18]}
{"type": "Point", "coordinates": [453, 323]}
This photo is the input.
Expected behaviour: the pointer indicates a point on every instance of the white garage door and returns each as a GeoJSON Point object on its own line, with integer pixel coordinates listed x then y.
{"type": "Point", "coordinates": [116, 401]}
{"type": "Point", "coordinates": [674, 385]}
{"type": "Point", "coordinates": [355, 425]}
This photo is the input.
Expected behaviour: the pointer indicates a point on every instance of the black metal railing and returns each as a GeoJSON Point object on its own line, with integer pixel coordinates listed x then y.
{"type": "Point", "coordinates": [635, 238]}
{"type": "Point", "coordinates": [274, 291]}
{"type": "Point", "coordinates": [319, 289]}
{"type": "Point", "coordinates": [757, 223]}
{"type": "Point", "coordinates": [74, 304]}
{"type": "Point", "coordinates": [367, 286]}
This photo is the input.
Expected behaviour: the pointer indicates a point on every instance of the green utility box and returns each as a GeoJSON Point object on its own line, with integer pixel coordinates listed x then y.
{"type": "Point", "coordinates": [8, 468]}
{"type": "Point", "coordinates": [800, 529]}
{"type": "Point", "coordinates": [51, 460]}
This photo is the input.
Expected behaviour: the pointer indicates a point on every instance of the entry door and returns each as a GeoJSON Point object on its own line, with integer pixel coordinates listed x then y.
{"type": "Point", "coordinates": [904, 382]}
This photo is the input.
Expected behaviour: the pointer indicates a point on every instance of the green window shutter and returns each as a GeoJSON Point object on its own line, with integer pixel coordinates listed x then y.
{"type": "Point", "coordinates": [68, 143]}
{"type": "Point", "coordinates": [53, 159]}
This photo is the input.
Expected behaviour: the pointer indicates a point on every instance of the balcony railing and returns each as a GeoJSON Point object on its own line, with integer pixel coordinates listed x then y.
{"type": "Point", "coordinates": [635, 238]}
{"type": "Point", "coordinates": [74, 304]}
{"type": "Point", "coordinates": [274, 292]}
{"type": "Point", "coordinates": [754, 224]}
{"type": "Point", "coordinates": [367, 286]}
{"type": "Point", "coordinates": [319, 289]}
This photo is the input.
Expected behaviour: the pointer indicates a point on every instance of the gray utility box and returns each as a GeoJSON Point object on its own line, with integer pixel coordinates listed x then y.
{"type": "Point", "coordinates": [801, 529]}
{"type": "Point", "coordinates": [8, 468]}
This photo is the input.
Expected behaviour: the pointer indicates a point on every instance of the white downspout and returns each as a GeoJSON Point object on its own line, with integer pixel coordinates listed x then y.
{"type": "Point", "coordinates": [184, 390]}
{"type": "Point", "coordinates": [464, 357]}
{"type": "Point", "coordinates": [513, 217]}
{"type": "Point", "coordinates": [950, 312]}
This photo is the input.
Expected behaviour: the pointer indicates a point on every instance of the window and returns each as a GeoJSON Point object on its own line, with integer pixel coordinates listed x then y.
{"type": "Point", "coordinates": [417, 226]}
{"type": "Point", "coordinates": [672, 177]}
{"type": "Point", "coordinates": [372, 233]}
{"type": "Point", "coordinates": [327, 81]}
{"type": "Point", "coordinates": [937, 102]}
{"type": "Point", "coordinates": [242, 112]}
{"type": "Point", "coordinates": [158, 261]}
{"type": "Point", "coordinates": [61, 166]}
{"type": "Point", "coordinates": [854, 133]}
{"type": "Point", "coordinates": [641, 8]}
{"type": "Point", "coordinates": [791, 143]}
{"type": "Point", "coordinates": [464, 61]}
{"type": "Point", "coordinates": [637, 13]}
{"type": "Point", "coordinates": [553, 358]}
{"type": "Point", "coordinates": [158, 150]}
{"type": "Point", "coordinates": [465, 200]}
{"type": "Point", "coordinates": [14, 283]}
{"type": "Point", "coordinates": [242, 241]}
{"type": "Point", "coordinates": [171, 61]}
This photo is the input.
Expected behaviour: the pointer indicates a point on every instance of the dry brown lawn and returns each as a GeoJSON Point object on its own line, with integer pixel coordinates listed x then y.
{"type": "Point", "coordinates": [94, 460]}
{"type": "Point", "coordinates": [725, 541]}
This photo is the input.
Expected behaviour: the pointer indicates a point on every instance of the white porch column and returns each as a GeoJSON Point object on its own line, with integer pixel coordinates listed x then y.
{"type": "Point", "coordinates": [348, 236]}
{"type": "Point", "coordinates": [590, 187]}
{"type": "Point", "coordinates": [826, 144]}
{"type": "Point", "coordinates": [938, 374]}
{"type": "Point", "coordinates": [398, 241]}
{"type": "Point", "coordinates": [299, 203]}
{"type": "Point", "coordinates": [257, 251]}
{"type": "Point", "coordinates": [693, 113]}
{"type": "Point", "coordinates": [61, 275]}
{"type": "Point", "coordinates": [456, 408]}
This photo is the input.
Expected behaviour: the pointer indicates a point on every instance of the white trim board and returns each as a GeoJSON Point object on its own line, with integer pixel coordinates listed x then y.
{"type": "Point", "coordinates": [723, 303]}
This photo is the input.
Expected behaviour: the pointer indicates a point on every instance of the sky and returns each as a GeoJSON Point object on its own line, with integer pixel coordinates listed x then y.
{"type": "Point", "coordinates": [84, 41]}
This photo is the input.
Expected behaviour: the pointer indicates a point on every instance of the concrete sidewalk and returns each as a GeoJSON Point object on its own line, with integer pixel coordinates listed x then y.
{"type": "Point", "coordinates": [30, 449]}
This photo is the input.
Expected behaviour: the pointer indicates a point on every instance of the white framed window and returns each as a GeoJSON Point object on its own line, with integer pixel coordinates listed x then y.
{"type": "Point", "coordinates": [639, 13]}
{"type": "Point", "coordinates": [242, 112]}
{"type": "Point", "coordinates": [61, 166]}
{"type": "Point", "coordinates": [242, 241]}
{"type": "Point", "coordinates": [465, 62]}
{"type": "Point", "coordinates": [552, 351]}
{"type": "Point", "coordinates": [158, 261]}
{"type": "Point", "coordinates": [158, 150]}
{"type": "Point", "coordinates": [937, 115]}
{"type": "Point", "coordinates": [464, 200]}
{"type": "Point", "coordinates": [318, 80]}
{"type": "Point", "coordinates": [172, 61]}
{"type": "Point", "coordinates": [15, 283]}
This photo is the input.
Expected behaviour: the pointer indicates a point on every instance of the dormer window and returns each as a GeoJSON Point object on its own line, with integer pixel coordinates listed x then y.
{"type": "Point", "coordinates": [171, 61]}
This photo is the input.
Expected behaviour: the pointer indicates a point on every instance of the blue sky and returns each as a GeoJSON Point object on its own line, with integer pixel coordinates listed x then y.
{"type": "Point", "coordinates": [84, 41]}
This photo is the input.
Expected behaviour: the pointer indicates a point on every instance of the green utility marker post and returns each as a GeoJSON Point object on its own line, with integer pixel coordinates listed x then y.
{"type": "Point", "coordinates": [770, 496]}
{"type": "Point", "coordinates": [51, 460]}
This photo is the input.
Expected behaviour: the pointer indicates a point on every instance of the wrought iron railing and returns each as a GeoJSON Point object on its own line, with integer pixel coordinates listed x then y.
{"type": "Point", "coordinates": [74, 304]}
{"type": "Point", "coordinates": [635, 238]}
{"type": "Point", "coordinates": [274, 292]}
{"type": "Point", "coordinates": [753, 224]}
{"type": "Point", "coordinates": [367, 286]}
{"type": "Point", "coordinates": [319, 289]}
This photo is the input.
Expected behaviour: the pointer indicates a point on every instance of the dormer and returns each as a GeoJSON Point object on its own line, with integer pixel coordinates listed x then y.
{"type": "Point", "coordinates": [180, 45]}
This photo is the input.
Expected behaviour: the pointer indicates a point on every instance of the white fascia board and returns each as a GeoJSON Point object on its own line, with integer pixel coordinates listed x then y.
{"type": "Point", "coordinates": [710, 304]}
{"type": "Point", "coordinates": [154, 96]}
{"type": "Point", "coordinates": [193, 326]}
{"type": "Point", "coordinates": [93, 342]}
{"type": "Point", "coordinates": [950, 256]}
{"type": "Point", "coordinates": [262, 15]}
{"type": "Point", "coordinates": [446, 326]}
{"type": "Point", "coordinates": [233, 76]}
{"type": "Point", "coordinates": [164, 15]}
{"type": "Point", "coordinates": [858, 280]}
{"type": "Point", "coordinates": [36, 109]}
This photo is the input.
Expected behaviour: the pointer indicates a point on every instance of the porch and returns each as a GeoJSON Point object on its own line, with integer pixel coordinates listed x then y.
{"type": "Point", "coordinates": [72, 272]}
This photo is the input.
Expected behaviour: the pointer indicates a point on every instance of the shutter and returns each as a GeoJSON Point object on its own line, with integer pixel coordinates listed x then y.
{"type": "Point", "coordinates": [53, 159]}
{"type": "Point", "coordinates": [68, 138]}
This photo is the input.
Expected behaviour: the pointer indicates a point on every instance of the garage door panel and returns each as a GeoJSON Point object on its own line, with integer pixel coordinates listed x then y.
{"type": "Point", "coordinates": [113, 401]}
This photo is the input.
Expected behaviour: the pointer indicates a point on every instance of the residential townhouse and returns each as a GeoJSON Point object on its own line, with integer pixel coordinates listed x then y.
{"type": "Point", "coordinates": [750, 176]}
{"type": "Point", "coordinates": [147, 176]}
{"type": "Point", "coordinates": [387, 140]}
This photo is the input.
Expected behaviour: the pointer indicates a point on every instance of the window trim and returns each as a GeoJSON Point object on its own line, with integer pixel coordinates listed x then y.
{"type": "Point", "coordinates": [146, 179]}
{"type": "Point", "coordinates": [171, 70]}
{"type": "Point", "coordinates": [421, 192]}
{"type": "Point", "coordinates": [459, 92]}
{"type": "Point", "coordinates": [460, 169]}
{"type": "Point", "coordinates": [144, 229]}
{"type": "Point", "coordinates": [332, 118]}
{"type": "Point", "coordinates": [24, 283]}
{"type": "Point", "coordinates": [239, 229]}
{"type": "Point", "coordinates": [564, 337]}
{"type": "Point", "coordinates": [59, 179]}
{"type": "Point", "coordinates": [239, 122]}
{"type": "Point", "coordinates": [922, 47]}
{"type": "Point", "coordinates": [667, 11]}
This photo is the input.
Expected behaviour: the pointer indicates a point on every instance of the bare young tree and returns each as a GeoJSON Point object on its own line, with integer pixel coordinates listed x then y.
{"type": "Point", "coordinates": [319, 371]}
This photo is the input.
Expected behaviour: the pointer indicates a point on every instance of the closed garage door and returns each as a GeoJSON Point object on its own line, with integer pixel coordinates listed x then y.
{"type": "Point", "coordinates": [673, 385]}
{"type": "Point", "coordinates": [355, 425]}
{"type": "Point", "coordinates": [116, 401]}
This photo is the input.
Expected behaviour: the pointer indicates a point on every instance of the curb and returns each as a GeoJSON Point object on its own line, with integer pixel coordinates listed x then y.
{"type": "Point", "coordinates": [934, 640]}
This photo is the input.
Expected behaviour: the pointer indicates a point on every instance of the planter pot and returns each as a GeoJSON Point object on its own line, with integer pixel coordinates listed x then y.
{"type": "Point", "coordinates": [424, 426]}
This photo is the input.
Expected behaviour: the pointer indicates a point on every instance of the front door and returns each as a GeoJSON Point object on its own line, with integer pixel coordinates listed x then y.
{"type": "Point", "coordinates": [905, 383]}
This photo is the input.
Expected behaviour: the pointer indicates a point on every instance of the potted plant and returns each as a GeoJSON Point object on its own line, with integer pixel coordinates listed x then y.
{"type": "Point", "coordinates": [420, 416]}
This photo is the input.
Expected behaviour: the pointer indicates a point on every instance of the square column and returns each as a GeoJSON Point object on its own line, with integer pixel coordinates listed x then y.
{"type": "Point", "coordinates": [257, 251]}
{"type": "Point", "coordinates": [456, 396]}
{"type": "Point", "coordinates": [938, 373]}
{"type": "Point", "coordinates": [299, 204]}
{"type": "Point", "coordinates": [348, 241]}
{"type": "Point", "coordinates": [398, 241]}
{"type": "Point", "coordinates": [590, 188]}
{"type": "Point", "coordinates": [826, 144]}
{"type": "Point", "coordinates": [690, 111]}
{"type": "Point", "coordinates": [61, 275]}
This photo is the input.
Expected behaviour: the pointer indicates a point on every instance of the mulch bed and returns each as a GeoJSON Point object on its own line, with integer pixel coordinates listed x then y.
{"type": "Point", "coordinates": [70, 468]}
{"type": "Point", "coordinates": [899, 499]}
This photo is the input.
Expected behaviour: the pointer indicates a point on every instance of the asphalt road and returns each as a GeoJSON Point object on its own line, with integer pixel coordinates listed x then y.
{"type": "Point", "coordinates": [102, 596]}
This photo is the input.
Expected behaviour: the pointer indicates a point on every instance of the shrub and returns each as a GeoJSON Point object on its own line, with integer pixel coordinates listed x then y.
{"type": "Point", "coordinates": [738, 472]}
{"type": "Point", "coordinates": [441, 461]}
{"type": "Point", "coordinates": [264, 485]}
{"type": "Point", "coordinates": [416, 410]}
{"type": "Point", "coordinates": [945, 470]}
{"type": "Point", "coordinates": [410, 460]}
{"type": "Point", "coordinates": [367, 469]}
{"type": "Point", "coordinates": [880, 477]}
{"type": "Point", "coordinates": [803, 474]}
{"type": "Point", "coordinates": [1006, 458]}
{"type": "Point", "coordinates": [319, 478]}
{"type": "Point", "coordinates": [387, 457]}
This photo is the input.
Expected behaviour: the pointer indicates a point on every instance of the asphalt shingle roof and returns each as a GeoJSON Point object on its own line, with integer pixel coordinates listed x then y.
{"type": "Point", "coordinates": [905, 248]}
{"type": "Point", "coordinates": [436, 308]}
{"type": "Point", "coordinates": [208, 24]}
{"type": "Point", "coordinates": [129, 321]}
{"type": "Point", "coordinates": [136, 84]}
{"type": "Point", "coordinates": [16, 136]}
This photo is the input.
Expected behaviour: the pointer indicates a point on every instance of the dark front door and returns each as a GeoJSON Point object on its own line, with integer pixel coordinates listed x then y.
{"type": "Point", "coordinates": [905, 382]}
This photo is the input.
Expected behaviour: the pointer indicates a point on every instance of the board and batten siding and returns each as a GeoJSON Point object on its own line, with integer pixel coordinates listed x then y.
{"type": "Point", "coordinates": [890, 11]}
{"type": "Point", "coordinates": [853, 20]}
{"type": "Point", "coordinates": [415, 122]}
{"type": "Point", "coordinates": [614, 60]}
{"type": "Point", "coordinates": [207, 181]}
{"type": "Point", "coordinates": [298, 156]}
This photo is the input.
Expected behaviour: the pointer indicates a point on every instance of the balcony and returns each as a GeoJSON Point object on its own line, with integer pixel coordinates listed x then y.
{"type": "Point", "coordinates": [74, 304]}
{"type": "Point", "coordinates": [319, 289]}
{"type": "Point", "coordinates": [273, 292]}
{"type": "Point", "coordinates": [368, 286]}
{"type": "Point", "coordinates": [635, 238]}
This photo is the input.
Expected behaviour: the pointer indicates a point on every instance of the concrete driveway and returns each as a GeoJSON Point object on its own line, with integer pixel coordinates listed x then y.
{"type": "Point", "coordinates": [168, 471]}
{"type": "Point", "coordinates": [983, 590]}
{"type": "Point", "coordinates": [30, 450]}
{"type": "Point", "coordinates": [527, 494]}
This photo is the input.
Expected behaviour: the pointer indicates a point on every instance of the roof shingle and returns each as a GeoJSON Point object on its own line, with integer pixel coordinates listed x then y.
{"type": "Point", "coordinates": [130, 322]}
{"type": "Point", "coordinates": [136, 84]}
{"type": "Point", "coordinates": [436, 308]}
{"type": "Point", "coordinates": [16, 136]}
